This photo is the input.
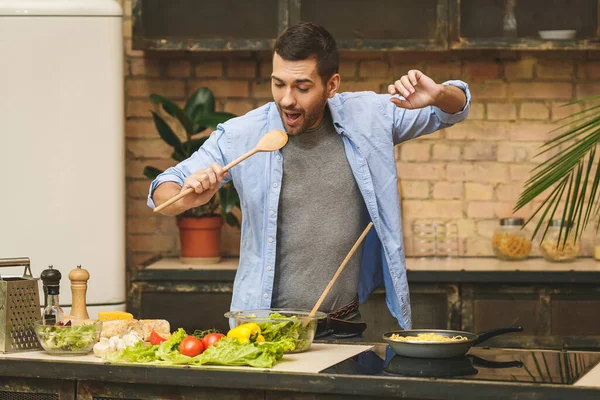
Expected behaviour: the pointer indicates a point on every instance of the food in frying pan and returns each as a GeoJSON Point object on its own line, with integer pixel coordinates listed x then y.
{"type": "Point", "coordinates": [428, 337]}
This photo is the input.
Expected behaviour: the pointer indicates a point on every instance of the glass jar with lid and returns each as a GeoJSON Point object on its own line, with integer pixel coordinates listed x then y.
{"type": "Point", "coordinates": [510, 241]}
{"type": "Point", "coordinates": [555, 249]}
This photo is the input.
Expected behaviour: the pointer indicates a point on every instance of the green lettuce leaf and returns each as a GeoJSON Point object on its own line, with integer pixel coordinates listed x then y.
{"type": "Point", "coordinates": [228, 351]}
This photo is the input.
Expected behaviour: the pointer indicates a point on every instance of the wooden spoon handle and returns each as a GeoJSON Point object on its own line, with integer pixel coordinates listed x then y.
{"type": "Point", "coordinates": [338, 272]}
{"type": "Point", "coordinates": [190, 190]}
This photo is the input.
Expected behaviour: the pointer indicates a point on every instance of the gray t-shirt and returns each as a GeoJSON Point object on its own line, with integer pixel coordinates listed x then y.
{"type": "Point", "coordinates": [321, 215]}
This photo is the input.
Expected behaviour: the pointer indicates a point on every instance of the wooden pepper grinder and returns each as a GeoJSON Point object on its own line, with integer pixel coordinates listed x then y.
{"type": "Point", "coordinates": [79, 278]}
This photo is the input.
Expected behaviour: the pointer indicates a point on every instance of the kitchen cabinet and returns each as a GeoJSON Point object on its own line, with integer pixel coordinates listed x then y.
{"type": "Point", "coordinates": [515, 24]}
{"type": "Point", "coordinates": [192, 25]}
{"type": "Point", "coordinates": [556, 305]}
{"type": "Point", "coordinates": [36, 389]}
{"type": "Point", "coordinates": [432, 25]}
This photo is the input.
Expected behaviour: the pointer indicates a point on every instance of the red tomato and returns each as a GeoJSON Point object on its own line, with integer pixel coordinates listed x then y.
{"type": "Point", "coordinates": [156, 338]}
{"type": "Point", "coordinates": [211, 339]}
{"type": "Point", "coordinates": [191, 346]}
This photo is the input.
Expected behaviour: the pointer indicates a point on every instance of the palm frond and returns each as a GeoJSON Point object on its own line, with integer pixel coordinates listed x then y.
{"type": "Point", "coordinates": [569, 174]}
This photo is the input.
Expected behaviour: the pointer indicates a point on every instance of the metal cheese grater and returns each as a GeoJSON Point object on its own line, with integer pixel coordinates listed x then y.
{"type": "Point", "coordinates": [19, 308]}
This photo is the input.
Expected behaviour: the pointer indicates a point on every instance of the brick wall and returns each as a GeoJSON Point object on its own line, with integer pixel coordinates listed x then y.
{"type": "Point", "coordinates": [470, 174]}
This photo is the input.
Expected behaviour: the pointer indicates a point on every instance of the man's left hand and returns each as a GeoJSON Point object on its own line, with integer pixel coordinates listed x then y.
{"type": "Point", "coordinates": [418, 90]}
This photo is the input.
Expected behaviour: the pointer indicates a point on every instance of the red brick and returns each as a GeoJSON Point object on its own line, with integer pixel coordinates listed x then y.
{"type": "Point", "coordinates": [444, 71]}
{"type": "Point", "coordinates": [223, 88]}
{"type": "Point", "coordinates": [478, 191]}
{"type": "Point", "coordinates": [531, 131]}
{"type": "Point", "coordinates": [140, 108]}
{"type": "Point", "coordinates": [135, 167]}
{"type": "Point", "coordinates": [374, 69]}
{"type": "Point", "coordinates": [138, 189]}
{"type": "Point", "coordinates": [179, 69]}
{"type": "Point", "coordinates": [488, 91]}
{"type": "Point", "coordinates": [522, 69]}
{"type": "Point", "coordinates": [149, 148]}
{"type": "Point", "coordinates": [447, 190]}
{"type": "Point", "coordinates": [479, 151]}
{"type": "Point", "coordinates": [521, 172]}
{"type": "Point", "coordinates": [585, 90]}
{"type": "Point", "coordinates": [208, 69]}
{"type": "Point", "coordinates": [541, 90]}
{"type": "Point", "coordinates": [508, 191]}
{"type": "Point", "coordinates": [262, 90]}
{"type": "Point", "coordinates": [265, 69]}
{"type": "Point", "coordinates": [561, 110]}
{"type": "Point", "coordinates": [145, 67]}
{"type": "Point", "coordinates": [242, 69]}
{"type": "Point", "coordinates": [146, 243]}
{"type": "Point", "coordinates": [421, 171]}
{"type": "Point", "coordinates": [432, 209]}
{"type": "Point", "coordinates": [590, 70]}
{"type": "Point", "coordinates": [553, 69]}
{"type": "Point", "coordinates": [480, 209]}
{"type": "Point", "coordinates": [477, 111]}
{"type": "Point", "coordinates": [415, 189]}
{"type": "Point", "coordinates": [138, 208]}
{"type": "Point", "coordinates": [477, 172]}
{"type": "Point", "coordinates": [238, 107]}
{"type": "Point", "coordinates": [347, 69]}
{"type": "Point", "coordinates": [446, 152]}
{"type": "Point", "coordinates": [144, 88]}
{"type": "Point", "coordinates": [361, 86]}
{"type": "Point", "coordinates": [534, 111]}
{"type": "Point", "coordinates": [140, 128]}
{"type": "Point", "coordinates": [415, 151]}
{"type": "Point", "coordinates": [480, 130]}
{"type": "Point", "coordinates": [141, 225]}
{"type": "Point", "coordinates": [501, 111]}
{"type": "Point", "coordinates": [487, 228]}
{"type": "Point", "coordinates": [483, 70]}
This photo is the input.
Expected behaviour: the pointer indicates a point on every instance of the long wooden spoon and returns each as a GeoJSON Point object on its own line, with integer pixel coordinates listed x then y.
{"type": "Point", "coordinates": [337, 273]}
{"type": "Point", "coordinates": [271, 141]}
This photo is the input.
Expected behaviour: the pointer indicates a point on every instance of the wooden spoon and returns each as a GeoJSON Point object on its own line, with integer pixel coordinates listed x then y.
{"type": "Point", "coordinates": [337, 273]}
{"type": "Point", "coordinates": [271, 141]}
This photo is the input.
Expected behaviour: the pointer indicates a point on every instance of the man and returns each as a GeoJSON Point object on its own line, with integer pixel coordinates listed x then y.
{"type": "Point", "coordinates": [305, 206]}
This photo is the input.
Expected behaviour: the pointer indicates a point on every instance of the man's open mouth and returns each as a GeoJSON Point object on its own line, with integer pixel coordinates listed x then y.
{"type": "Point", "coordinates": [291, 118]}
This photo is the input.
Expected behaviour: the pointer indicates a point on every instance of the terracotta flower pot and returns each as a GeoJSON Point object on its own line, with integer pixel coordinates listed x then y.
{"type": "Point", "coordinates": [200, 239]}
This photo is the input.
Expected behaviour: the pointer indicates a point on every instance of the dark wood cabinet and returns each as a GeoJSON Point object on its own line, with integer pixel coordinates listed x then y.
{"type": "Point", "coordinates": [372, 25]}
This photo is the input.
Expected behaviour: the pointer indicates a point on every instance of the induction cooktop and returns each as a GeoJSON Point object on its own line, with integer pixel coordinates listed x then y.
{"type": "Point", "coordinates": [490, 364]}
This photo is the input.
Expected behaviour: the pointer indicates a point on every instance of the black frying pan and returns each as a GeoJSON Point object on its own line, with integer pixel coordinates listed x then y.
{"type": "Point", "coordinates": [422, 349]}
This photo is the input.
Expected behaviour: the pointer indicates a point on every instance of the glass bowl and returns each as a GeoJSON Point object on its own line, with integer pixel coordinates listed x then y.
{"type": "Point", "coordinates": [77, 338]}
{"type": "Point", "coordinates": [276, 323]}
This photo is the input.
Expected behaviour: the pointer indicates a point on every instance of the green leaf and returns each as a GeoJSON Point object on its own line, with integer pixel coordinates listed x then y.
{"type": "Point", "coordinates": [201, 122]}
{"type": "Point", "coordinates": [174, 111]}
{"type": "Point", "coordinates": [165, 132]}
{"type": "Point", "coordinates": [201, 102]}
{"type": "Point", "coordinates": [194, 144]}
{"type": "Point", "coordinates": [570, 171]}
{"type": "Point", "coordinates": [151, 172]}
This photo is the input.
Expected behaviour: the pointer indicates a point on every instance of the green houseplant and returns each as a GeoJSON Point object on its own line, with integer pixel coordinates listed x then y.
{"type": "Point", "coordinates": [200, 227]}
{"type": "Point", "coordinates": [570, 178]}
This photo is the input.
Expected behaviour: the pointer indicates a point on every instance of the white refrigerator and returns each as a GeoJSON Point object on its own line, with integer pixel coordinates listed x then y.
{"type": "Point", "coordinates": [62, 158]}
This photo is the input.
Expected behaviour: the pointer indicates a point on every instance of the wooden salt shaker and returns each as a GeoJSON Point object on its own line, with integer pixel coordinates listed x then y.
{"type": "Point", "coordinates": [79, 278]}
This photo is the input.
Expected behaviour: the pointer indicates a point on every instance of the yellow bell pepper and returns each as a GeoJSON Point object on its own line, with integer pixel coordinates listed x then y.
{"type": "Point", "coordinates": [246, 332]}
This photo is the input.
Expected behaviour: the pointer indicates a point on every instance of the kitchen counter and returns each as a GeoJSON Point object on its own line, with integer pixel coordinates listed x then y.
{"type": "Point", "coordinates": [375, 373]}
{"type": "Point", "coordinates": [420, 270]}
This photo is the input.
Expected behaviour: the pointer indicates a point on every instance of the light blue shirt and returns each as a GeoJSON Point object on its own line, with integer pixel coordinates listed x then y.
{"type": "Point", "coordinates": [370, 125]}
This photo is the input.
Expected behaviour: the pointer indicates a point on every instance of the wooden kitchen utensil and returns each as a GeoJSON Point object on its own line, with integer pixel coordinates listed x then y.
{"type": "Point", "coordinates": [337, 273]}
{"type": "Point", "coordinates": [79, 278]}
{"type": "Point", "coordinates": [271, 141]}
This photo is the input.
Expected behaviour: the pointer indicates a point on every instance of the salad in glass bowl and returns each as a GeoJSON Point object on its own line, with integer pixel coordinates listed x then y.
{"type": "Point", "coordinates": [69, 337]}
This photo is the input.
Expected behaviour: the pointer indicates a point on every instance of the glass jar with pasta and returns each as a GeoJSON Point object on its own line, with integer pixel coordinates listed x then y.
{"type": "Point", "coordinates": [510, 241]}
{"type": "Point", "coordinates": [555, 249]}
